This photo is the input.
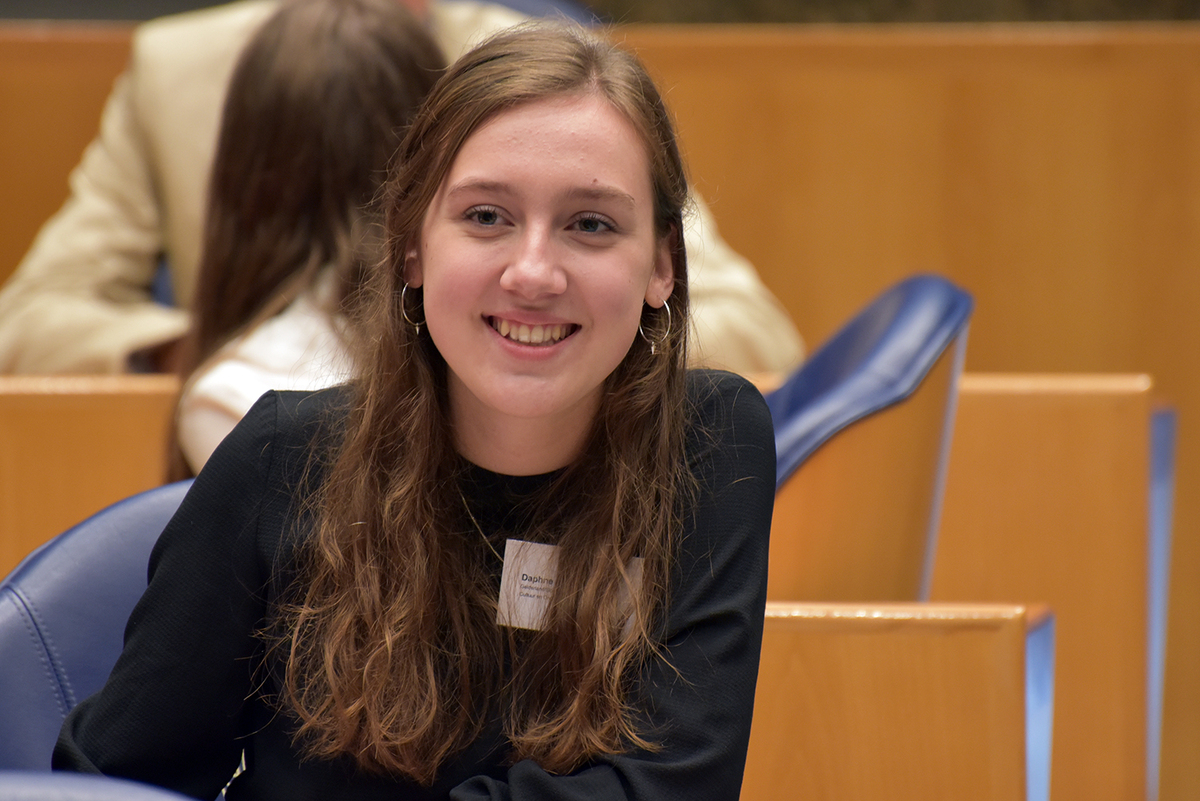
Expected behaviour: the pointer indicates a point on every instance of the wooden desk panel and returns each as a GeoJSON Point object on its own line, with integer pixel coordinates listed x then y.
{"type": "Point", "coordinates": [848, 525]}
{"type": "Point", "coordinates": [897, 702]}
{"type": "Point", "coordinates": [71, 445]}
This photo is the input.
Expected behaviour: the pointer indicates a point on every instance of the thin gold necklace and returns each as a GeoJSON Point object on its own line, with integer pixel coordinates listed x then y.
{"type": "Point", "coordinates": [479, 528]}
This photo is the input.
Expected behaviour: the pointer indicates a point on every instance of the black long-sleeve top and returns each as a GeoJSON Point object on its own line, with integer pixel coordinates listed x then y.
{"type": "Point", "coordinates": [188, 695]}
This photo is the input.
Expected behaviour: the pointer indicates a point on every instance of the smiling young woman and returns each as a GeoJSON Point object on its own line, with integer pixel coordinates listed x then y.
{"type": "Point", "coordinates": [524, 554]}
{"type": "Point", "coordinates": [536, 257]}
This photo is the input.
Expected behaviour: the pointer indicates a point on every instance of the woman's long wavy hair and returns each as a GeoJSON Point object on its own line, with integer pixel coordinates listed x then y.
{"type": "Point", "coordinates": [316, 106]}
{"type": "Point", "coordinates": [393, 652]}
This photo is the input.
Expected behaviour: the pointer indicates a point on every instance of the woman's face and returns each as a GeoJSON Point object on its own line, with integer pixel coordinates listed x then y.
{"type": "Point", "coordinates": [536, 256]}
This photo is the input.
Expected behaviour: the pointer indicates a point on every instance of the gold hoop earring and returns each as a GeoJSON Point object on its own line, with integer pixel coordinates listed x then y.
{"type": "Point", "coordinates": [404, 311]}
{"type": "Point", "coordinates": [666, 334]}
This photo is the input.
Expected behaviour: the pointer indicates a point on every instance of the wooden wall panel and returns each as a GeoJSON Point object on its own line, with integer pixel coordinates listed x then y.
{"type": "Point", "coordinates": [1020, 159]}
{"type": "Point", "coordinates": [54, 78]}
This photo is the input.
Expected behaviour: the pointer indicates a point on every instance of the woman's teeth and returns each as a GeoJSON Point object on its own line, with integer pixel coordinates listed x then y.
{"type": "Point", "coordinates": [531, 334]}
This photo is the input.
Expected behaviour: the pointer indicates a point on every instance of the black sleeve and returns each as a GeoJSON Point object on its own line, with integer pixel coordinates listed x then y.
{"type": "Point", "coordinates": [173, 707]}
{"type": "Point", "coordinates": [701, 703]}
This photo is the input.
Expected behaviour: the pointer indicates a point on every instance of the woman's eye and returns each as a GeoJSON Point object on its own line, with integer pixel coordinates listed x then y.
{"type": "Point", "coordinates": [593, 225]}
{"type": "Point", "coordinates": [484, 216]}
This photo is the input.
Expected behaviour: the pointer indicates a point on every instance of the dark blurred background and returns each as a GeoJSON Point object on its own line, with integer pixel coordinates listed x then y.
{"type": "Point", "coordinates": [722, 10]}
{"type": "Point", "coordinates": [894, 10]}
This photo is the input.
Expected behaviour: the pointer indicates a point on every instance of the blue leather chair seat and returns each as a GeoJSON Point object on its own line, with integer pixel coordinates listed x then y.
{"type": "Point", "coordinates": [62, 619]}
{"type": "Point", "coordinates": [38, 786]}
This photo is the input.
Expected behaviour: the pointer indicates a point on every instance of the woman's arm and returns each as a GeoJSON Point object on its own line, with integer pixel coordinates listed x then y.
{"type": "Point", "coordinates": [172, 709]}
{"type": "Point", "coordinates": [699, 706]}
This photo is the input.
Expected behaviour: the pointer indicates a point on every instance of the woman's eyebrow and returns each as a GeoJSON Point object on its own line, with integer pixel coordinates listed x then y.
{"type": "Point", "coordinates": [480, 185]}
{"type": "Point", "coordinates": [594, 193]}
{"type": "Point", "coordinates": [602, 192]}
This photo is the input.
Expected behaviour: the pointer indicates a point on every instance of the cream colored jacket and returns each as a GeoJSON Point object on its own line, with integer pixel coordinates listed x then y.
{"type": "Point", "coordinates": [80, 300]}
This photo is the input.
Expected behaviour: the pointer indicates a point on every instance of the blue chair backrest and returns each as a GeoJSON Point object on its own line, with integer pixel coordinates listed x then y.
{"type": "Point", "coordinates": [556, 9]}
{"type": "Point", "coordinates": [62, 619]}
{"type": "Point", "coordinates": [43, 786]}
{"type": "Point", "coordinates": [877, 359]}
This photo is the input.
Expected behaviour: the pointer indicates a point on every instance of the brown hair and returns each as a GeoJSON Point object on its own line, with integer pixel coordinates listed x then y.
{"type": "Point", "coordinates": [395, 656]}
{"type": "Point", "coordinates": [314, 112]}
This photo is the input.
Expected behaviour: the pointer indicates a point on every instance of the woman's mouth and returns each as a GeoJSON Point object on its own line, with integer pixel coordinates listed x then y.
{"type": "Point", "coordinates": [532, 334]}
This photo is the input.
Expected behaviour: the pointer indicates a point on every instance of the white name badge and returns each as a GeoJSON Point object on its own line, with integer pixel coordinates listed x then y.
{"type": "Point", "coordinates": [526, 584]}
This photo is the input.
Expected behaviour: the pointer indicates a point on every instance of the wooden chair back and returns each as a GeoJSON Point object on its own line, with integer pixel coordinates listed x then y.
{"type": "Point", "coordinates": [862, 432]}
{"type": "Point", "coordinates": [1048, 499]}
{"type": "Point", "coordinates": [854, 521]}
{"type": "Point", "coordinates": [904, 702]}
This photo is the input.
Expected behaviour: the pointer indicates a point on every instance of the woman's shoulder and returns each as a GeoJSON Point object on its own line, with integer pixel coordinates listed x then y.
{"type": "Point", "coordinates": [304, 413]}
{"type": "Point", "coordinates": [720, 397]}
{"type": "Point", "coordinates": [285, 422]}
{"type": "Point", "coordinates": [703, 379]}
{"type": "Point", "coordinates": [307, 405]}
{"type": "Point", "coordinates": [730, 422]}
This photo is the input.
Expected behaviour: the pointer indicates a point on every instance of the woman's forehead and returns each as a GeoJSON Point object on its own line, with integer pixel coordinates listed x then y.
{"type": "Point", "coordinates": [578, 136]}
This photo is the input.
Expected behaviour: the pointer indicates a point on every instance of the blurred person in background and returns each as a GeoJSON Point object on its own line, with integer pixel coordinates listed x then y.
{"type": "Point", "coordinates": [315, 109]}
{"type": "Point", "coordinates": [82, 300]}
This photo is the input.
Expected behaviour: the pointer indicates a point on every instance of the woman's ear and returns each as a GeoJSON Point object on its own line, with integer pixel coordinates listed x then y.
{"type": "Point", "coordinates": [414, 276]}
{"type": "Point", "coordinates": [662, 280]}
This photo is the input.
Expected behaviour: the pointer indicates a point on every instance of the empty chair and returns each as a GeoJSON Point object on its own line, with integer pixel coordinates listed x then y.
{"type": "Point", "coordinates": [62, 620]}
{"type": "Point", "coordinates": [862, 432]}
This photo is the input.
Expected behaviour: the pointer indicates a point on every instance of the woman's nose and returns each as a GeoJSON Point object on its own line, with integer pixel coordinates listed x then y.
{"type": "Point", "coordinates": [535, 269]}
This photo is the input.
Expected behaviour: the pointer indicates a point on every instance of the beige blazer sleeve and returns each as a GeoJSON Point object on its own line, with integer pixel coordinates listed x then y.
{"type": "Point", "coordinates": [80, 302]}
{"type": "Point", "coordinates": [737, 323]}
